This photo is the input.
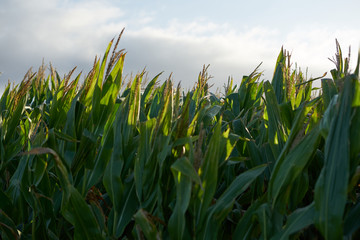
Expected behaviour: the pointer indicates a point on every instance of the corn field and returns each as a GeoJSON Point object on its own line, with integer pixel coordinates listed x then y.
{"type": "Point", "coordinates": [105, 159]}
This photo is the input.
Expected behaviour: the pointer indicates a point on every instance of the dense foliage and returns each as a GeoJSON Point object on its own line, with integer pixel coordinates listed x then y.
{"type": "Point", "coordinates": [101, 159]}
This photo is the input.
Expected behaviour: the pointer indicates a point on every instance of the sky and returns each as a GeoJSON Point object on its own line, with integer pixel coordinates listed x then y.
{"type": "Point", "coordinates": [176, 37]}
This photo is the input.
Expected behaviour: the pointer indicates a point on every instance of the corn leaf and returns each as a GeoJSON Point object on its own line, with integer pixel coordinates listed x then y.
{"type": "Point", "coordinates": [351, 223]}
{"type": "Point", "coordinates": [278, 78]}
{"type": "Point", "coordinates": [129, 205]}
{"type": "Point", "coordinates": [297, 221]}
{"type": "Point", "coordinates": [331, 186]}
{"type": "Point", "coordinates": [224, 204]}
{"type": "Point", "coordinates": [83, 218]}
{"type": "Point", "coordinates": [209, 173]}
{"type": "Point", "coordinates": [146, 225]}
{"type": "Point", "coordinates": [286, 171]}
{"type": "Point", "coordinates": [277, 134]}
{"type": "Point", "coordinates": [183, 173]}
{"type": "Point", "coordinates": [8, 227]}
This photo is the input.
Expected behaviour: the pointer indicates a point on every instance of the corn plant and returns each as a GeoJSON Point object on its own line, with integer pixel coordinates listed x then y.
{"type": "Point", "coordinates": [101, 159]}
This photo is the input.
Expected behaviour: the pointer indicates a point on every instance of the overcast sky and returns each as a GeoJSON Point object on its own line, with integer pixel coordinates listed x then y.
{"type": "Point", "coordinates": [176, 37]}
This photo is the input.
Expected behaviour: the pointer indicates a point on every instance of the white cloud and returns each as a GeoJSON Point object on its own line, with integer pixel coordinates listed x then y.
{"type": "Point", "coordinates": [62, 32]}
{"type": "Point", "coordinates": [183, 48]}
{"type": "Point", "coordinates": [313, 46]}
{"type": "Point", "coordinates": [69, 33]}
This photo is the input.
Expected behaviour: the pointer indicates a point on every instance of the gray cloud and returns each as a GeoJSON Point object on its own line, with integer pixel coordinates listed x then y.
{"type": "Point", "coordinates": [184, 54]}
{"type": "Point", "coordinates": [70, 34]}
{"type": "Point", "coordinates": [66, 34]}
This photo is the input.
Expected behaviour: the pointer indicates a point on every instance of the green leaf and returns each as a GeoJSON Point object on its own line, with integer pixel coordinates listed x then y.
{"type": "Point", "coordinates": [234, 102]}
{"type": "Point", "coordinates": [63, 173]}
{"type": "Point", "coordinates": [184, 166]}
{"type": "Point", "coordinates": [4, 98]}
{"type": "Point", "coordinates": [329, 90]}
{"type": "Point", "coordinates": [97, 94]}
{"type": "Point", "coordinates": [297, 221]}
{"type": "Point", "coordinates": [355, 129]}
{"type": "Point", "coordinates": [146, 225]}
{"type": "Point", "coordinates": [83, 218]}
{"type": "Point", "coordinates": [112, 84]}
{"type": "Point", "coordinates": [101, 160]}
{"type": "Point", "coordinates": [5, 204]}
{"type": "Point", "coordinates": [183, 173]}
{"type": "Point", "coordinates": [13, 121]}
{"type": "Point", "coordinates": [278, 79]}
{"type": "Point", "coordinates": [285, 172]}
{"type": "Point", "coordinates": [145, 152]}
{"type": "Point", "coordinates": [14, 188]}
{"type": "Point", "coordinates": [225, 202]}
{"type": "Point", "coordinates": [165, 115]}
{"type": "Point", "coordinates": [85, 153]}
{"type": "Point", "coordinates": [247, 223]}
{"type": "Point", "coordinates": [133, 98]}
{"type": "Point", "coordinates": [352, 223]}
{"type": "Point", "coordinates": [270, 221]}
{"type": "Point", "coordinates": [112, 180]}
{"type": "Point", "coordinates": [331, 187]}
{"type": "Point", "coordinates": [129, 204]}
{"type": "Point", "coordinates": [38, 168]}
{"type": "Point", "coordinates": [7, 226]}
{"type": "Point", "coordinates": [148, 91]}
{"type": "Point", "coordinates": [209, 173]}
{"type": "Point", "coordinates": [277, 134]}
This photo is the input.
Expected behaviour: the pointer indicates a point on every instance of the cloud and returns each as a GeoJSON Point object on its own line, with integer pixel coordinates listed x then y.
{"type": "Point", "coordinates": [182, 50]}
{"type": "Point", "coordinates": [71, 33]}
{"type": "Point", "coordinates": [313, 46]}
{"type": "Point", "coordinates": [235, 53]}
{"type": "Point", "coordinates": [64, 33]}
{"type": "Point", "coordinates": [184, 47]}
